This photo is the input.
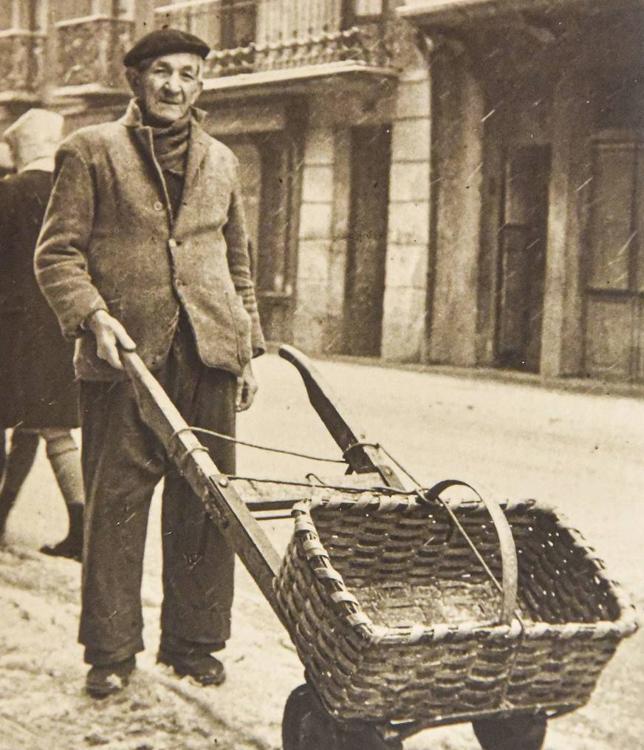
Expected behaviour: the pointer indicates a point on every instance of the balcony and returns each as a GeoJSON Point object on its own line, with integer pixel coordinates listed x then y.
{"type": "Point", "coordinates": [75, 48]}
{"type": "Point", "coordinates": [270, 40]}
{"type": "Point", "coordinates": [21, 66]}
{"type": "Point", "coordinates": [90, 52]}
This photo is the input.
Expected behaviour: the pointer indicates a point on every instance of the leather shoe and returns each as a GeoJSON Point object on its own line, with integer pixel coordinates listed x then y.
{"type": "Point", "coordinates": [69, 547]}
{"type": "Point", "coordinates": [107, 679]}
{"type": "Point", "coordinates": [203, 668]}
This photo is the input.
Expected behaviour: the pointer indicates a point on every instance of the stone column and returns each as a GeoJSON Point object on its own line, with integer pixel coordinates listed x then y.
{"type": "Point", "coordinates": [457, 167]}
{"type": "Point", "coordinates": [338, 249]}
{"type": "Point", "coordinates": [405, 300]}
{"type": "Point", "coordinates": [562, 339]}
{"type": "Point", "coordinates": [315, 239]}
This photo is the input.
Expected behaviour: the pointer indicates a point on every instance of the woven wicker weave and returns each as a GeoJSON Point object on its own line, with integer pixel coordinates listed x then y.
{"type": "Point", "coordinates": [394, 617]}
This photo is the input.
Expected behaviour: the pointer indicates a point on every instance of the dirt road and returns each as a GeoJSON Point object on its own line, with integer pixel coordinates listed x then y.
{"type": "Point", "coordinates": [582, 453]}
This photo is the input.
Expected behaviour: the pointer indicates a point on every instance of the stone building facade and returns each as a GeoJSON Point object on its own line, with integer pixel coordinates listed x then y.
{"type": "Point", "coordinates": [318, 99]}
{"type": "Point", "coordinates": [442, 181]}
{"type": "Point", "coordinates": [536, 254]}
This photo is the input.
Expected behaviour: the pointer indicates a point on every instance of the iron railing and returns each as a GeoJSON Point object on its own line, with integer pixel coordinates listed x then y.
{"type": "Point", "coordinates": [246, 36]}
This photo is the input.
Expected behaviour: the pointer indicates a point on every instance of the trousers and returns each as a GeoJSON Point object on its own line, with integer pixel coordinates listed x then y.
{"type": "Point", "coordinates": [122, 463]}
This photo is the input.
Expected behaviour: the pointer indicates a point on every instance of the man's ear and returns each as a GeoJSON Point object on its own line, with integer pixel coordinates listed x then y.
{"type": "Point", "coordinates": [133, 78]}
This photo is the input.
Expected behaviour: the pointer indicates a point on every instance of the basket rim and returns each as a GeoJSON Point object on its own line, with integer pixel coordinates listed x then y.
{"type": "Point", "coordinates": [350, 611]}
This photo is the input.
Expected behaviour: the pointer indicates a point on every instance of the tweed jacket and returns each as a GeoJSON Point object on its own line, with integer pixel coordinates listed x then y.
{"type": "Point", "coordinates": [110, 241]}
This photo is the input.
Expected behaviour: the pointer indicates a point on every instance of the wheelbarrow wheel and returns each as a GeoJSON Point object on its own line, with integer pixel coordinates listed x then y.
{"type": "Point", "coordinates": [306, 726]}
{"type": "Point", "coordinates": [525, 732]}
{"type": "Point", "coordinates": [303, 724]}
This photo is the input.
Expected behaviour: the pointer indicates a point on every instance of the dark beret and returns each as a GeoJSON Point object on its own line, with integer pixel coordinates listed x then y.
{"type": "Point", "coordinates": [165, 42]}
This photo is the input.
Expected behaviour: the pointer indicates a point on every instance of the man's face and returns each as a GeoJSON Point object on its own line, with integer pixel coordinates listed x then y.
{"type": "Point", "coordinates": [168, 86]}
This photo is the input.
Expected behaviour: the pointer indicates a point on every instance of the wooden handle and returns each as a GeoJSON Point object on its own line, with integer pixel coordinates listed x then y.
{"type": "Point", "coordinates": [509, 563]}
{"type": "Point", "coordinates": [361, 455]}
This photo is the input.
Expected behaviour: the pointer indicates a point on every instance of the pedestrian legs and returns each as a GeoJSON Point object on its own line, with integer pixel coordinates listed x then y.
{"type": "Point", "coordinates": [64, 457]}
{"type": "Point", "coordinates": [198, 562]}
{"type": "Point", "coordinates": [20, 459]}
{"type": "Point", "coordinates": [122, 463]}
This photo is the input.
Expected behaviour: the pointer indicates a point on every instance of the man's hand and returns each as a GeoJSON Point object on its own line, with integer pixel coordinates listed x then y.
{"type": "Point", "coordinates": [246, 389]}
{"type": "Point", "coordinates": [110, 334]}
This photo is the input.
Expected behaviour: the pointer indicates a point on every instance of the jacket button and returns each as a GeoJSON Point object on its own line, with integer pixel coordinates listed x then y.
{"type": "Point", "coordinates": [158, 206]}
{"type": "Point", "coordinates": [172, 243]}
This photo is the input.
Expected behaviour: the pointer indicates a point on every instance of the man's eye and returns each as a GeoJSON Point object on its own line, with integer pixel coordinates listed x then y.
{"type": "Point", "coordinates": [188, 76]}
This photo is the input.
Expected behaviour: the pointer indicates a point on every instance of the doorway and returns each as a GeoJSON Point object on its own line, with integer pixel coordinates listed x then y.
{"type": "Point", "coordinates": [522, 258]}
{"type": "Point", "coordinates": [269, 175]}
{"type": "Point", "coordinates": [614, 342]}
{"type": "Point", "coordinates": [367, 241]}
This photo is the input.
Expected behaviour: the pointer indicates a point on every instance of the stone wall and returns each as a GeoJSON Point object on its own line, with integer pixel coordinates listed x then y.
{"type": "Point", "coordinates": [404, 315]}
{"type": "Point", "coordinates": [457, 168]}
{"type": "Point", "coordinates": [315, 239]}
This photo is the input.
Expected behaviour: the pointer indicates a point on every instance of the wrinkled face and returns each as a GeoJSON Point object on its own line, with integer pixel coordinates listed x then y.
{"type": "Point", "coordinates": [168, 85]}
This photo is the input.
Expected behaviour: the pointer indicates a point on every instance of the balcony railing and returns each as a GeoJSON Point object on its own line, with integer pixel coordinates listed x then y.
{"type": "Point", "coordinates": [247, 36]}
{"type": "Point", "coordinates": [360, 44]}
{"type": "Point", "coordinates": [21, 63]}
{"type": "Point", "coordinates": [260, 35]}
{"type": "Point", "coordinates": [90, 52]}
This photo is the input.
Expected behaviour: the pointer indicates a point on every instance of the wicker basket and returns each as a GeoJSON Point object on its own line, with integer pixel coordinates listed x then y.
{"type": "Point", "coordinates": [394, 617]}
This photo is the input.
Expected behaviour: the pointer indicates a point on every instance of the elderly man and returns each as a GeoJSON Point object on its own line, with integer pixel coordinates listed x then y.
{"type": "Point", "coordinates": [39, 396]}
{"type": "Point", "coordinates": [144, 243]}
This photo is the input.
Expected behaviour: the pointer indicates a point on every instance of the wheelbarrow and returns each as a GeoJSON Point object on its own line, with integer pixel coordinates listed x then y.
{"type": "Point", "coordinates": [408, 610]}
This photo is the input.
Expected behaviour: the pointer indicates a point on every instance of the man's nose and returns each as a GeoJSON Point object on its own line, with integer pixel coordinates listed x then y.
{"type": "Point", "coordinates": [173, 85]}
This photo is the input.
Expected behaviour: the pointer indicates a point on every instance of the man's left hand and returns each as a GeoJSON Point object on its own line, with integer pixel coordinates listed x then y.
{"type": "Point", "coordinates": [246, 389]}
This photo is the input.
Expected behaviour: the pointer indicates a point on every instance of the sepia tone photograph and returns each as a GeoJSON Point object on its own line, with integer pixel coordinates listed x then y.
{"type": "Point", "coordinates": [321, 374]}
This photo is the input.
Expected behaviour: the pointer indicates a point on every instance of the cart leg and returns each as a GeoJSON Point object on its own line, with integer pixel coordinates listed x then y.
{"type": "Point", "coordinates": [306, 726]}
{"type": "Point", "coordinates": [515, 733]}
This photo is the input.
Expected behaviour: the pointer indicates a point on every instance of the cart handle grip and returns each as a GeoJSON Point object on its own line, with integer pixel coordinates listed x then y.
{"type": "Point", "coordinates": [361, 455]}
{"type": "Point", "coordinates": [509, 563]}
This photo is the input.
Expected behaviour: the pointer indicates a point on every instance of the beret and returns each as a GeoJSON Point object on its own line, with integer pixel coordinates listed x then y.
{"type": "Point", "coordinates": [165, 42]}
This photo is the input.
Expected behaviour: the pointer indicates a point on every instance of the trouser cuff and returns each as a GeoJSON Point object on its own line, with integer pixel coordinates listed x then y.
{"type": "Point", "coordinates": [176, 645]}
{"type": "Point", "coordinates": [99, 658]}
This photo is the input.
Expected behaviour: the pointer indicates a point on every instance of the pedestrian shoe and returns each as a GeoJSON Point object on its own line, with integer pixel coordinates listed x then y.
{"type": "Point", "coordinates": [106, 679]}
{"type": "Point", "coordinates": [203, 668]}
{"type": "Point", "coordinates": [70, 547]}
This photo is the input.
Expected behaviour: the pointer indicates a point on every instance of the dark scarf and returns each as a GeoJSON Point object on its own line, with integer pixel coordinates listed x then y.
{"type": "Point", "coordinates": [170, 145]}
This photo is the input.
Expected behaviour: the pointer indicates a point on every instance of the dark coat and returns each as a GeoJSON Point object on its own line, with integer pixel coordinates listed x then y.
{"type": "Point", "coordinates": [110, 240]}
{"type": "Point", "coordinates": [36, 372]}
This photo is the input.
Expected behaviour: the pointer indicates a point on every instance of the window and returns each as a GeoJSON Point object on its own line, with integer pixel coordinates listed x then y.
{"type": "Point", "coordinates": [613, 227]}
{"type": "Point", "coordinates": [238, 23]}
{"type": "Point", "coordinates": [222, 23]}
{"type": "Point", "coordinates": [367, 8]}
{"type": "Point", "coordinates": [615, 300]}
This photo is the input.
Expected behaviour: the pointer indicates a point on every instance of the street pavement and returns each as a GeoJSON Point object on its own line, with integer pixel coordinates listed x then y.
{"type": "Point", "coordinates": [582, 453]}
